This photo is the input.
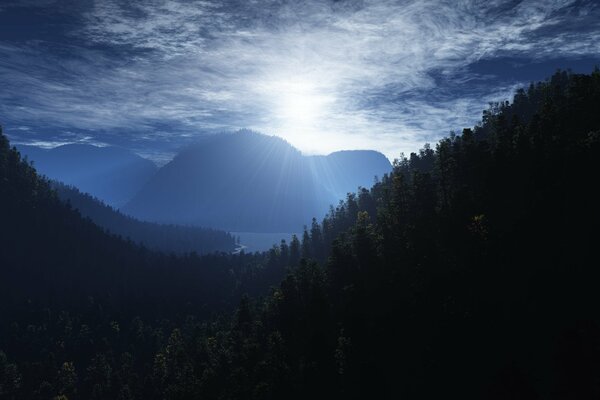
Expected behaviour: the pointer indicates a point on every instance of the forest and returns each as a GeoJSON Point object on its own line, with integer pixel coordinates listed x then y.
{"type": "Point", "coordinates": [466, 272]}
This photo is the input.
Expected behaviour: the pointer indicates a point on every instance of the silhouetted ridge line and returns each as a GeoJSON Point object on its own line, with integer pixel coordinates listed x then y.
{"type": "Point", "coordinates": [109, 173]}
{"type": "Point", "coordinates": [249, 182]}
{"type": "Point", "coordinates": [166, 238]}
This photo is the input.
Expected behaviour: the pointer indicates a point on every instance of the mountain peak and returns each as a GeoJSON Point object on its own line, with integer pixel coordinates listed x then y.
{"type": "Point", "coordinates": [247, 181]}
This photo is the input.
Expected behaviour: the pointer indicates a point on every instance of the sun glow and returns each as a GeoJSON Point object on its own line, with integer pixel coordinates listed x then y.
{"type": "Point", "coordinates": [297, 102]}
{"type": "Point", "coordinates": [299, 109]}
{"type": "Point", "coordinates": [301, 104]}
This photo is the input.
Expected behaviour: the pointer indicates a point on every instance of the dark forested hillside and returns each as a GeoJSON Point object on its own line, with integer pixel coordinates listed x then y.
{"type": "Point", "coordinates": [79, 306]}
{"type": "Point", "coordinates": [467, 272]}
{"type": "Point", "coordinates": [111, 174]}
{"type": "Point", "coordinates": [166, 238]}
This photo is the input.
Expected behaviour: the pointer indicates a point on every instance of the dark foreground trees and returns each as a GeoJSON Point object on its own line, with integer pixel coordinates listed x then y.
{"type": "Point", "coordinates": [468, 272]}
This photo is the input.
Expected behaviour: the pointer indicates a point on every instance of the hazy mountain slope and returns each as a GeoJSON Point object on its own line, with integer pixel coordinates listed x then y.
{"type": "Point", "coordinates": [111, 174]}
{"type": "Point", "coordinates": [344, 171]}
{"type": "Point", "coordinates": [239, 182]}
{"type": "Point", "coordinates": [167, 238]}
{"type": "Point", "coordinates": [251, 182]}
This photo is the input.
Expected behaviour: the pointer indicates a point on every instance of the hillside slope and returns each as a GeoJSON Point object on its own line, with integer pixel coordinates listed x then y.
{"type": "Point", "coordinates": [166, 238]}
{"type": "Point", "coordinates": [251, 182]}
{"type": "Point", "coordinates": [343, 172]}
{"type": "Point", "coordinates": [111, 174]}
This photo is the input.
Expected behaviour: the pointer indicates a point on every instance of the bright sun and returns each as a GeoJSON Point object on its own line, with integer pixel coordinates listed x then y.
{"type": "Point", "coordinates": [299, 110]}
{"type": "Point", "coordinates": [299, 103]}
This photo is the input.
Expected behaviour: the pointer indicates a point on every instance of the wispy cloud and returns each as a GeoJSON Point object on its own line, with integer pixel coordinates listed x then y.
{"type": "Point", "coordinates": [387, 75]}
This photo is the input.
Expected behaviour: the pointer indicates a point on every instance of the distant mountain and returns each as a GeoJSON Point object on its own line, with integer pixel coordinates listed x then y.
{"type": "Point", "coordinates": [246, 181]}
{"type": "Point", "coordinates": [238, 182]}
{"type": "Point", "coordinates": [166, 238]}
{"type": "Point", "coordinates": [344, 171]}
{"type": "Point", "coordinates": [111, 174]}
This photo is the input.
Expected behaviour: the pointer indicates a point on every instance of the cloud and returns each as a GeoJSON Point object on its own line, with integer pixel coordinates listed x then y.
{"type": "Point", "coordinates": [387, 75]}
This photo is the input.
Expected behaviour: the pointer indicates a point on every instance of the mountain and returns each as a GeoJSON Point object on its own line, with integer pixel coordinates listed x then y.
{"type": "Point", "coordinates": [343, 172]}
{"type": "Point", "coordinates": [166, 238]}
{"type": "Point", "coordinates": [109, 173]}
{"type": "Point", "coordinates": [246, 181]}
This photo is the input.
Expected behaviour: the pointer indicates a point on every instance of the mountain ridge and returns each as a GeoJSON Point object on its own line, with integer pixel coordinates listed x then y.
{"type": "Point", "coordinates": [165, 238]}
{"type": "Point", "coordinates": [246, 181]}
{"type": "Point", "coordinates": [110, 173]}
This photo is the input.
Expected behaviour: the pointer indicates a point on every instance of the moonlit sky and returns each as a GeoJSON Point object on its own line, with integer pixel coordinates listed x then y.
{"type": "Point", "coordinates": [154, 75]}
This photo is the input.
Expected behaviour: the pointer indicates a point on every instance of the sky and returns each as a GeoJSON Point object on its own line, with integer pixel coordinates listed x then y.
{"type": "Point", "coordinates": [154, 75]}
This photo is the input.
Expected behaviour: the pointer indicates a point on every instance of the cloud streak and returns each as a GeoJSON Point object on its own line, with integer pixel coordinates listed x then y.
{"type": "Point", "coordinates": [387, 75]}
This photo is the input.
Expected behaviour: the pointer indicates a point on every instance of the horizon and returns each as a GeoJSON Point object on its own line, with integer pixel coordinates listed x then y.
{"type": "Point", "coordinates": [168, 157]}
{"type": "Point", "coordinates": [325, 76]}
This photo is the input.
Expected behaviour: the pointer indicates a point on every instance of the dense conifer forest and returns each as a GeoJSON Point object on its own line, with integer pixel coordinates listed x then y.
{"type": "Point", "coordinates": [467, 272]}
